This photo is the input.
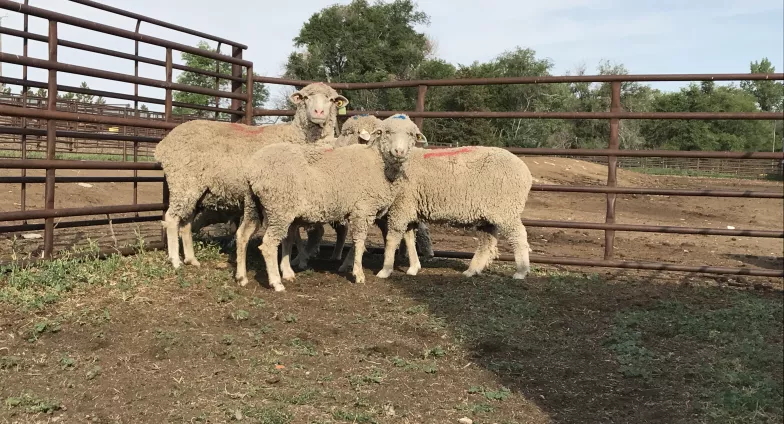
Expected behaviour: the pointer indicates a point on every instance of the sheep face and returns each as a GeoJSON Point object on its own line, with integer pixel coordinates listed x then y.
{"type": "Point", "coordinates": [397, 136]}
{"type": "Point", "coordinates": [360, 129]}
{"type": "Point", "coordinates": [320, 101]}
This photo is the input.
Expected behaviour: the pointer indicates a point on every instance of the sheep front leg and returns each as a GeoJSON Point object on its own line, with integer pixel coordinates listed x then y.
{"type": "Point", "coordinates": [172, 224]}
{"type": "Point", "coordinates": [248, 226]}
{"type": "Point", "coordinates": [413, 258]}
{"type": "Point", "coordinates": [285, 263]}
{"type": "Point", "coordinates": [186, 232]}
{"type": "Point", "coordinates": [340, 241]}
{"type": "Point", "coordinates": [269, 250]}
{"type": "Point", "coordinates": [392, 242]}
{"type": "Point", "coordinates": [359, 229]}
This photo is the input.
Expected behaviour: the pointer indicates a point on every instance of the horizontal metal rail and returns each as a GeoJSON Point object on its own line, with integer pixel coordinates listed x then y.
{"type": "Point", "coordinates": [114, 179]}
{"type": "Point", "coordinates": [560, 260]}
{"type": "Point", "coordinates": [160, 23]}
{"type": "Point", "coordinates": [79, 135]}
{"type": "Point", "coordinates": [67, 212]}
{"type": "Point", "coordinates": [79, 224]}
{"type": "Point", "coordinates": [659, 191]}
{"type": "Point", "coordinates": [77, 164]}
{"type": "Point", "coordinates": [645, 153]}
{"type": "Point", "coordinates": [84, 117]}
{"type": "Point", "coordinates": [101, 254]}
{"type": "Point", "coordinates": [653, 229]}
{"type": "Point", "coordinates": [115, 76]}
{"type": "Point", "coordinates": [106, 29]}
{"type": "Point", "coordinates": [115, 53]}
{"type": "Point", "coordinates": [528, 80]}
{"type": "Point", "coordinates": [115, 95]}
{"type": "Point", "coordinates": [761, 116]}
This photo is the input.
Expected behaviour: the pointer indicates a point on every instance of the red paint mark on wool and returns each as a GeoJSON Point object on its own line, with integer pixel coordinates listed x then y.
{"type": "Point", "coordinates": [247, 129]}
{"type": "Point", "coordinates": [449, 152]}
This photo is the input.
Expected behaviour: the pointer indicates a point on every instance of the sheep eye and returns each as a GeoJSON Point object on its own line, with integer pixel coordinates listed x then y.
{"type": "Point", "coordinates": [379, 132]}
{"type": "Point", "coordinates": [419, 136]}
{"type": "Point", "coordinates": [304, 97]}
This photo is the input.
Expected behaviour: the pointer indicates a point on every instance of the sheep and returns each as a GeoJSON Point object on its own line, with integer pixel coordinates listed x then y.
{"type": "Point", "coordinates": [483, 187]}
{"type": "Point", "coordinates": [358, 124]}
{"type": "Point", "coordinates": [295, 184]}
{"type": "Point", "coordinates": [202, 160]}
{"type": "Point", "coordinates": [356, 130]}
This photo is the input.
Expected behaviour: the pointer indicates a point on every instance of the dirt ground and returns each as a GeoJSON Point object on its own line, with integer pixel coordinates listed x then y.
{"type": "Point", "coordinates": [764, 214]}
{"type": "Point", "coordinates": [128, 340]}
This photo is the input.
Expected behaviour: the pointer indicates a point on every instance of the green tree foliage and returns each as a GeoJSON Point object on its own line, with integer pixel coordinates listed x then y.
{"type": "Point", "coordinates": [364, 42]}
{"type": "Point", "coordinates": [706, 135]}
{"type": "Point", "coordinates": [260, 91]}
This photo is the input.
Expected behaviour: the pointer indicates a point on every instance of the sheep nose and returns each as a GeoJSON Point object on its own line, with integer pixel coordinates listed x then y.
{"type": "Point", "coordinates": [318, 112]}
{"type": "Point", "coordinates": [399, 152]}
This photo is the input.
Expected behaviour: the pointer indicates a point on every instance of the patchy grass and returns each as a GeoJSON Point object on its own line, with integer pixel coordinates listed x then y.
{"type": "Point", "coordinates": [192, 346]}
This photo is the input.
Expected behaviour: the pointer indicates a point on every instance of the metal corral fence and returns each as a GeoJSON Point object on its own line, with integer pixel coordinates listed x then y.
{"type": "Point", "coordinates": [241, 98]}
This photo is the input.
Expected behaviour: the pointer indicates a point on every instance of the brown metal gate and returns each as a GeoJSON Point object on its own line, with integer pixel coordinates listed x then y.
{"type": "Point", "coordinates": [239, 110]}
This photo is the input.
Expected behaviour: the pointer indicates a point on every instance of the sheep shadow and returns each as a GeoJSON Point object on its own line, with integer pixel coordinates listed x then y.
{"type": "Point", "coordinates": [546, 338]}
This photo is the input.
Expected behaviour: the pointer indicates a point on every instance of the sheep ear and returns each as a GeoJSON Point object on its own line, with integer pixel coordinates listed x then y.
{"type": "Point", "coordinates": [341, 101]}
{"type": "Point", "coordinates": [421, 138]}
{"type": "Point", "coordinates": [296, 97]}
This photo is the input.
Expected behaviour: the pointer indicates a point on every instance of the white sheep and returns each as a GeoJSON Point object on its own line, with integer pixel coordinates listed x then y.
{"type": "Point", "coordinates": [355, 130]}
{"type": "Point", "coordinates": [295, 184]}
{"type": "Point", "coordinates": [482, 187]}
{"type": "Point", "coordinates": [203, 161]}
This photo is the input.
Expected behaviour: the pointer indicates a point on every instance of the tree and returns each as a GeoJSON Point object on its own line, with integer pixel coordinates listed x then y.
{"type": "Point", "coordinates": [260, 91]}
{"type": "Point", "coordinates": [768, 93]}
{"type": "Point", "coordinates": [732, 135]}
{"type": "Point", "coordinates": [359, 42]}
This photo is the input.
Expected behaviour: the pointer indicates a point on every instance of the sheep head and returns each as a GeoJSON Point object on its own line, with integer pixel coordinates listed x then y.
{"type": "Point", "coordinates": [321, 102]}
{"type": "Point", "coordinates": [359, 129]}
{"type": "Point", "coordinates": [396, 137]}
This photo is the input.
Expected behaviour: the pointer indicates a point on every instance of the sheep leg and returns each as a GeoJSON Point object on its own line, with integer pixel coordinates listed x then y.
{"type": "Point", "coordinates": [172, 224]}
{"type": "Point", "coordinates": [311, 247]}
{"type": "Point", "coordinates": [187, 244]}
{"type": "Point", "coordinates": [269, 249]}
{"type": "Point", "coordinates": [340, 241]}
{"type": "Point", "coordinates": [413, 258]}
{"type": "Point", "coordinates": [485, 249]}
{"type": "Point", "coordinates": [518, 236]}
{"type": "Point", "coordinates": [248, 225]}
{"type": "Point", "coordinates": [359, 230]}
{"type": "Point", "coordinates": [285, 262]}
{"type": "Point", "coordinates": [423, 242]}
{"type": "Point", "coordinates": [392, 242]}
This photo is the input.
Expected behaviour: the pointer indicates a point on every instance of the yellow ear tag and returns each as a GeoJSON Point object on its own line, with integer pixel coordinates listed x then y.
{"type": "Point", "coordinates": [342, 109]}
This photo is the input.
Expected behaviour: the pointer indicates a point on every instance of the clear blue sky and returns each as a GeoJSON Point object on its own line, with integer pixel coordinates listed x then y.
{"type": "Point", "coordinates": [647, 36]}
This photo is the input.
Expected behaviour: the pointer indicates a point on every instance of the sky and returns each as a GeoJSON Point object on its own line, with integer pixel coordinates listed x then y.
{"type": "Point", "coordinates": [647, 36]}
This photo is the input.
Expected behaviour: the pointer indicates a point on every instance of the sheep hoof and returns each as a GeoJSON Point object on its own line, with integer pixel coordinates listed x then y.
{"type": "Point", "coordinates": [242, 281]}
{"type": "Point", "coordinates": [335, 257]}
{"type": "Point", "coordinates": [279, 287]}
{"type": "Point", "coordinates": [176, 264]}
{"type": "Point", "coordinates": [288, 276]}
{"type": "Point", "coordinates": [359, 278]}
{"type": "Point", "coordinates": [413, 270]}
{"type": "Point", "coordinates": [384, 273]}
{"type": "Point", "coordinates": [343, 268]}
{"type": "Point", "coordinates": [519, 275]}
{"type": "Point", "coordinates": [193, 262]}
{"type": "Point", "coordinates": [470, 272]}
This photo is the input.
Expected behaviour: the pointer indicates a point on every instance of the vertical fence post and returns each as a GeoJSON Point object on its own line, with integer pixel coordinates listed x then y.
{"type": "Point", "coordinates": [612, 164]}
{"type": "Point", "coordinates": [136, 114]}
{"type": "Point", "coordinates": [217, 81]}
{"type": "Point", "coordinates": [420, 104]}
{"type": "Point", "coordinates": [51, 143]}
{"type": "Point", "coordinates": [236, 86]}
{"type": "Point", "coordinates": [249, 99]}
{"type": "Point", "coordinates": [23, 200]}
{"type": "Point", "coordinates": [168, 118]}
